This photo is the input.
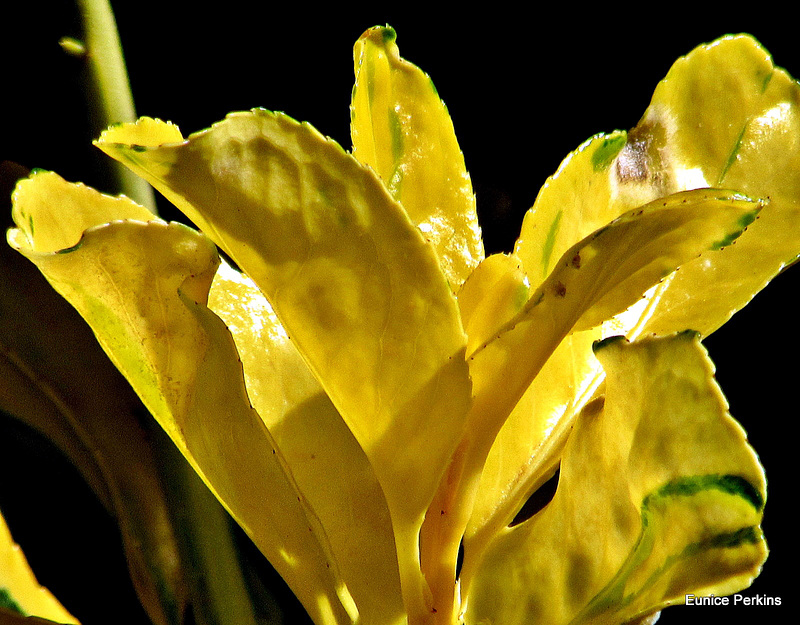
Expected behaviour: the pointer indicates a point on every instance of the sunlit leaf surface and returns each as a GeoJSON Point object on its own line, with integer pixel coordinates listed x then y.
{"type": "Point", "coordinates": [350, 278]}
{"type": "Point", "coordinates": [598, 277]}
{"type": "Point", "coordinates": [143, 287]}
{"type": "Point", "coordinates": [401, 128]}
{"type": "Point", "coordinates": [671, 505]}
{"type": "Point", "coordinates": [723, 116]}
{"type": "Point", "coordinates": [370, 396]}
{"type": "Point", "coordinates": [330, 468]}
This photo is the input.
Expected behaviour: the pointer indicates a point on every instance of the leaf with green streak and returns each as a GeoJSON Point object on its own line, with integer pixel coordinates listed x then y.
{"type": "Point", "coordinates": [573, 202]}
{"type": "Point", "coordinates": [518, 462]}
{"type": "Point", "coordinates": [142, 287]}
{"type": "Point", "coordinates": [597, 278]}
{"type": "Point", "coordinates": [724, 116]}
{"type": "Point", "coordinates": [327, 463]}
{"type": "Point", "coordinates": [672, 503]}
{"type": "Point", "coordinates": [577, 200]}
{"type": "Point", "coordinates": [401, 128]}
{"type": "Point", "coordinates": [19, 591]}
{"type": "Point", "coordinates": [352, 281]}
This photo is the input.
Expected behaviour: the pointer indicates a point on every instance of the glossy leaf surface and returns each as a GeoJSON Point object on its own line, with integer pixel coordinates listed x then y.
{"type": "Point", "coordinates": [672, 503]}
{"type": "Point", "coordinates": [596, 278]}
{"type": "Point", "coordinates": [349, 277]}
{"type": "Point", "coordinates": [574, 202]}
{"type": "Point", "coordinates": [401, 128]}
{"type": "Point", "coordinates": [724, 116]}
{"type": "Point", "coordinates": [491, 297]}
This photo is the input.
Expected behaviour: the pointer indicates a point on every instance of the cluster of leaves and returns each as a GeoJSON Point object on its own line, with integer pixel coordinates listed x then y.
{"type": "Point", "coordinates": [374, 401]}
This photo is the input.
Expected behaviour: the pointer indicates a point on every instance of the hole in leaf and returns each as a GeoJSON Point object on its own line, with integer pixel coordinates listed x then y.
{"type": "Point", "coordinates": [538, 500]}
{"type": "Point", "coordinates": [460, 558]}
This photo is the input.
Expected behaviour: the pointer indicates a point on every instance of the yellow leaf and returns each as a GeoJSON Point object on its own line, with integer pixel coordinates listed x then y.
{"type": "Point", "coordinates": [528, 447]}
{"type": "Point", "coordinates": [146, 131]}
{"type": "Point", "coordinates": [338, 261]}
{"type": "Point", "coordinates": [492, 295]}
{"type": "Point", "coordinates": [142, 286]}
{"type": "Point", "coordinates": [326, 461]}
{"type": "Point", "coordinates": [723, 116]}
{"type": "Point", "coordinates": [42, 229]}
{"type": "Point", "coordinates": [671, 505]}
{"type": "Point", "coordinates": [56, 379]}
{"type": "Point", "coordinates": [595, 279]}
{"type": "Point", "coordinates": [401, 128]}
{"type": "Point", "coordinates": [352, 281]}
{"type": "Point", "coordinates": [574, 202]}
{"type": "Point", "coordinates": [19, 590]}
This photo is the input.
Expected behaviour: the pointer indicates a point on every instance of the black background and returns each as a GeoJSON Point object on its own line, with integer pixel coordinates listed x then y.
{"type": "Point", "coordinates": [524, 87]}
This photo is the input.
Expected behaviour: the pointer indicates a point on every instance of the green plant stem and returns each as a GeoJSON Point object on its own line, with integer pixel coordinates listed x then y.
{"type": "Point", "coordinates": [219, 591]}
{"type": "Point", "coordinates": [112, 101]}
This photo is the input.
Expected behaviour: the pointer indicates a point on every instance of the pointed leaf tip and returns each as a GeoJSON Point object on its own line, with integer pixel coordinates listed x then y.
{"type": "Point", "coordinates": [403, 131]}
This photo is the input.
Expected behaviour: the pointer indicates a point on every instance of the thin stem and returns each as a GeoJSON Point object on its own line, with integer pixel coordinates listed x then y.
{"type": "Point", "coordinates": [112, 102]}
{"type": "Point", "coordinates": [219, 592]}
